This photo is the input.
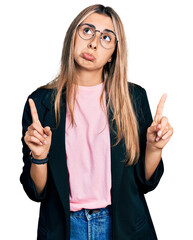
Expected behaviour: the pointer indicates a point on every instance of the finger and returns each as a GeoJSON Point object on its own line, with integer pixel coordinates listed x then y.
{"type": "Point", "coordinates": [33, 109]}
{"type": "Point", "coordinates": [38, 136]}
{"type": "Point", "coordinates": [160, 107]}
{"type": "Point", "coordinates": [163, 124]}
{"type": "Point", "coordinates": [37, 127]}
{"type": "Point", "coordinates": [157, 139]}
{"type": "Point", "coordinates": [168, 134]}
{"type": "Point", "coordinates": [47, 131]}
{"type": "Point", "coordinates": [152, 129]}
{"type": "Point", "coordinates": [33, 139]}
{"type": "Point", "coordinates": [167, 128]}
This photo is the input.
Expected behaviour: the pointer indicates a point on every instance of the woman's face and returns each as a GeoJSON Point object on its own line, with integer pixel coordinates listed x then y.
{"type": "Point", "coordinates": [83, 48]}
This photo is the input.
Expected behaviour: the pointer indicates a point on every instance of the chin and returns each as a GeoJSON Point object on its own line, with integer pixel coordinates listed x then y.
{"type": "Point", "coordinates": [85, 64]}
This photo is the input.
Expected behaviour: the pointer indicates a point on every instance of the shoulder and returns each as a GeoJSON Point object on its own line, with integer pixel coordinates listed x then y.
{"type": "Point", "coordinates": [137, 92]}
{"type": "Point", "coordinates": [43, 99]}
{"type": "Point", "coordinates": [43, 96]}
{"type": "Point", "coordinates": [140, 102]}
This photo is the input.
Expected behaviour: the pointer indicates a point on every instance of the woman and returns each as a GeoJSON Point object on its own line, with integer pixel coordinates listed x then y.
{"type": "Point", "coordinates": [91, 149]}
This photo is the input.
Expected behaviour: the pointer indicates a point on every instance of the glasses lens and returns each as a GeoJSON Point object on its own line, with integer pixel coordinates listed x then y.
{"type": "Point", "coordinates": [85, 31]}
{"type": "Point", "coordinates": [108, 40]}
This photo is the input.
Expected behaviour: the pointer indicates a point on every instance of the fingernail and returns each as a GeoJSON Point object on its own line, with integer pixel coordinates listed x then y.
{"type": "Point", "coordinates": [45, 142]}
{"type": "Point", "coordinates": [158, 126]}
{"type": "Point", "coordinates": [164, 137]}
{"type": "Point", "coordinates": [159, 133]}
{"type": "Point", "coordinates": [41, 143]}
{"type": "Point", "coordinates": [45, 135]}
{"type": "Point", "coordinates": [157, 139]}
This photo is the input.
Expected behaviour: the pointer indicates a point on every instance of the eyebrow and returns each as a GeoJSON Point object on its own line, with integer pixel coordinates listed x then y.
{"type": "Point", "coordinates": [91, 25]}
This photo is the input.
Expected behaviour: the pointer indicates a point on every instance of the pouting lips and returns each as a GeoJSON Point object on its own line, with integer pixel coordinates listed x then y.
{"type": "Point", "coordinates": [88, 56]}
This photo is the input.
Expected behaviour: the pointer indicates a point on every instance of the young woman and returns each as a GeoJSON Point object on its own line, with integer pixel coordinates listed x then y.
{"type": "Point", "coordinates": [91, 149]}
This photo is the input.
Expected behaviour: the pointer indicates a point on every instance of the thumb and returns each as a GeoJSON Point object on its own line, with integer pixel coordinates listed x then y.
{"type": "Point", "coordinates": [47, 131]}
{"type": "Point", "coordinates": [152, 129]}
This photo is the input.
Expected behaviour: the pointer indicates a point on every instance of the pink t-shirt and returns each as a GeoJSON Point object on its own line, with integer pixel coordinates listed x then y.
{"type": "Point", "coordinates": [88, 151]}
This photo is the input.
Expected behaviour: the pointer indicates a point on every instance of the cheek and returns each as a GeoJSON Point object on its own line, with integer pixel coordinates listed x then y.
{"type": "Point", "coordinates": [78, 48]}
{"type": "Point", "coordinates": [76, 52]}
{"type": "Point", "coordinates": [104, 55]}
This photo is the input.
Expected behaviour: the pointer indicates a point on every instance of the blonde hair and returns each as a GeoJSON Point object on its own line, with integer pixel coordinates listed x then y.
{"type": "Point", "coordinates": [115, 83]}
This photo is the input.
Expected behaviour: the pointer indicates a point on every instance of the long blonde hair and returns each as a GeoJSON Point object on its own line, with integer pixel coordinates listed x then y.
{"type": "Point", "coordinates": [115, 83]}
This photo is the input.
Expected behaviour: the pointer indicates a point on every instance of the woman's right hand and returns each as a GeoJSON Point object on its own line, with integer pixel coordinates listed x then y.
{"type": "Point", "coordinates": [36, 137]}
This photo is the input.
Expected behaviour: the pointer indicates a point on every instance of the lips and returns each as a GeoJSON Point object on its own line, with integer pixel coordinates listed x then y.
{"type": "Point", "coordinates": [88, 56]}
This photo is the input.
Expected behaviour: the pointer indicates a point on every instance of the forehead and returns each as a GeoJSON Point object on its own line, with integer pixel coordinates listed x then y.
{"type": "Point", "coordinates": [100, 21]}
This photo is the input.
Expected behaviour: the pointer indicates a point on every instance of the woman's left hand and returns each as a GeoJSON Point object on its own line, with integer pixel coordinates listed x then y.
{"type": "Point", "coordinates": [160, 131]}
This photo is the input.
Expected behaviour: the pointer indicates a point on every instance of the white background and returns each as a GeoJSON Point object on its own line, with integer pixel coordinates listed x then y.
{"type": "Point", "coordinates": [160, 59]}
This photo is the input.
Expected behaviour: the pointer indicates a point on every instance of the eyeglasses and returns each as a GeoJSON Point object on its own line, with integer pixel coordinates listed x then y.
{"type": "Point", "coordinates": [108, 38]}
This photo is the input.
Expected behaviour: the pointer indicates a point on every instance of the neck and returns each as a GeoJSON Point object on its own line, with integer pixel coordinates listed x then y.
{"type": "Point", "coordinates": [89, 78]}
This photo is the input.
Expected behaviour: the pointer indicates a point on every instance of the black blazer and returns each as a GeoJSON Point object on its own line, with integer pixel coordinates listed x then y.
{"type": "Point", "coordinates": [131, 219]}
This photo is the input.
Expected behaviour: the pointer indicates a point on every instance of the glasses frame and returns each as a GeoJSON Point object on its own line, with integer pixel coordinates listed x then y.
{"type": "Point", "coordinates": [95, 30]}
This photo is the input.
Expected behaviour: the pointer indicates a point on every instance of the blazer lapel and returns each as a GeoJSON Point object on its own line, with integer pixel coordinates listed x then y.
{"type": "Point", "coordinates": [117, 155]}
{"type": "Point", "coordinates": [57, 153]}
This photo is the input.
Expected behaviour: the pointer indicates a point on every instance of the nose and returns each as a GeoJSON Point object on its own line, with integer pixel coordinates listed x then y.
{"type": "Point", "coordinates": [94, 41]}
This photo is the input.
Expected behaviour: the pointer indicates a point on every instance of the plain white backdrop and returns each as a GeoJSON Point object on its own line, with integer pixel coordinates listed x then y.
{"type": "Point", "coordinates": [160, 59]}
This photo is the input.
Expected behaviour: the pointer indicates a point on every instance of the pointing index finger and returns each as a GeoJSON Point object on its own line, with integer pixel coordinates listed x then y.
{"type": "Point", "coordinates": [160, 106]}
{"type": "Point", "coordinates": [33, 109]}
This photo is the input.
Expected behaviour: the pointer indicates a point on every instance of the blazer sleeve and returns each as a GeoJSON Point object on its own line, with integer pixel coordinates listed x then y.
{"type": "Point", "coordinates": [145, 120]}
{"type": "Point", "coordinates": [25, 177]}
